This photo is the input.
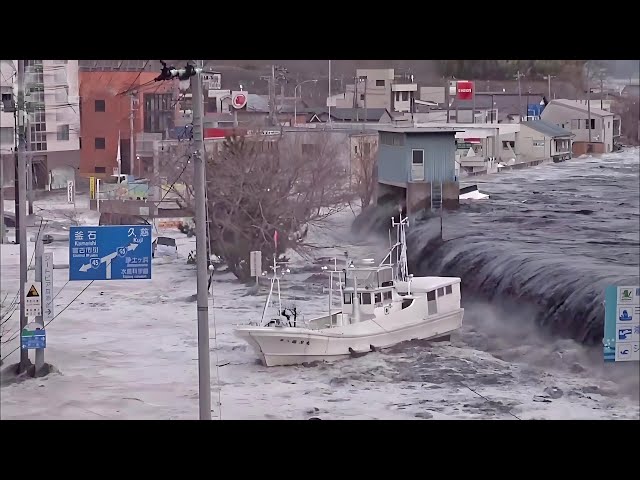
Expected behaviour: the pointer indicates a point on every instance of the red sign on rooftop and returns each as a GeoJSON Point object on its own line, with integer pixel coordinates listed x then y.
{"type": "Point", "coordinates": [465, 90]}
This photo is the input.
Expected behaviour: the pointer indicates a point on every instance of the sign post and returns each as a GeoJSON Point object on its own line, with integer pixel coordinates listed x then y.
{"type": "Point", "coordinates": [39, 320]}
{"type": "Point", "coordinates": [621, 324]}
{"type": "Point", "coordinates": [33, 337]}
{"type": "Point", "coordinates": [32, 299]}
{"type": "Point", "coordinates": [47, 287]}
{"type": "Point", "coordinates": [71, 192]}
{"type": "Point", "coordinates": [117, 252]}
{"type": "Point", "coordinates": [255, 264]}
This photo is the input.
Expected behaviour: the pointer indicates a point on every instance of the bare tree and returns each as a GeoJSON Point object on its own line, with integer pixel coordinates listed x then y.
{"type": "Point", "coordinates": [363, 167]}
{"type": "Point", "coordinates": [257, 187]}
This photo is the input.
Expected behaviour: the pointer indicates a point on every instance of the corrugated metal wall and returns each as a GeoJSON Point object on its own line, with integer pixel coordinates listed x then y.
{"type": "Point", "coordinates": [439, 154]}
{"type": "Point", "coordinates": [393, 163]}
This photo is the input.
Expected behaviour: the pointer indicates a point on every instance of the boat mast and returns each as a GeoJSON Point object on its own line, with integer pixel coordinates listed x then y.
{"type": "Point", "coordinates": [355, 302]}
{"type": "Point", "coordinates": [274, 278]}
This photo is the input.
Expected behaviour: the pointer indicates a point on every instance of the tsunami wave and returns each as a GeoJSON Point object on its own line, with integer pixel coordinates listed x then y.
{"type": "Point", "coordinates": [550, 239]}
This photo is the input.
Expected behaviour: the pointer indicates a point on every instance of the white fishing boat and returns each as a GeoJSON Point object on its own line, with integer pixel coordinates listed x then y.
{"type": "Point", "coordinates": [380, 306]}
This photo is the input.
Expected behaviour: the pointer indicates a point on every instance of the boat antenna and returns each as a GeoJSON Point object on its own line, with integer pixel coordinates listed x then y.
{"type": "Point", "coordinates": [401, 254]}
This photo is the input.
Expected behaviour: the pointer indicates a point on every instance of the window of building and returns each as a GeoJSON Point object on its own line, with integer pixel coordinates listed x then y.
{"type": "Point", "coordinates": [593, 124]}
{"type": "Point", "coordinates": [575, 124]}
{"type": "Point", "coordinates": [347, 299]}
{"type": "Point", "coordinates": [431, 296]}
{"type": "Point", "coordinates": [366, 148]}
{"type": "Point", "coordinates": [100, 169]}
{"type": "Point", "coordinates": [80, 142]}
{"type": "Point", "coordinates": [63, 132]}
{"type": "Point", "coordinates": [7, 136]}
{"type": "Point", "coordinates": [378, 298]}
{"type": "Point", "coordinates": [362, 96]}
{"type": "Point", "coordinates": [366, 298]}
{"type": "Point", "coordinates": [379, 83]}
{"type": "Point", "coordinates": [60, 62]}
{"type": "Point", "coordinates": [448, 290]}
{"type": "Point", "coordinates": [387, 295]}
{"type": "Point", "coordinates": [355, 149]}
{"type": "Point", "coordinates": [397, 96]}
{"type": "Point", "coordinates": [441, 292]}
{"type": "Point", "coordinates": [609, 124]}
{"type": "Point", "coordinates": [100, 106]}
{"type": "Point", "coordinates": [392, 139]}
{"type": "Point", "coordinates": [158, 112]}
{"type": "Point", "coordinates": [508, 143]}
{"type": "Point", "coordinates": [417, 157]}
{"type": "Point", "coordinates": [405, 96]}
{"type": "Point", "coordinates": [100, 143]}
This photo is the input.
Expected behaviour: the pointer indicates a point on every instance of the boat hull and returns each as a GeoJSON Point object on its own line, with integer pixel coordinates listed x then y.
{"type": "Point", "coordinates": [278, 346]}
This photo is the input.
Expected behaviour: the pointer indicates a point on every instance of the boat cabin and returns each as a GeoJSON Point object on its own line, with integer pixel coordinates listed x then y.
{"type": "Point", "coordinates": [372, 285]}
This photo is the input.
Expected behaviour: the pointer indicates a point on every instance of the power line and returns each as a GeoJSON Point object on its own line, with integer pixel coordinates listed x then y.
{"type": "Point", "coordinates": [489, 401]}
{"type": "Point", "coordinates": [135, 79]}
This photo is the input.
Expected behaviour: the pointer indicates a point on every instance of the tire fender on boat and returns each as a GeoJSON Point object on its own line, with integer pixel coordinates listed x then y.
{"type": "Point", "coordinates": [387, 309]}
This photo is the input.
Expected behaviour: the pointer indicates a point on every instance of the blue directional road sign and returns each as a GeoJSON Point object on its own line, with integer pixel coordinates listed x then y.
{"type": "Point", "coordinates": [119, 252]}
{"type": "Point", "coordinates": [33, 337]}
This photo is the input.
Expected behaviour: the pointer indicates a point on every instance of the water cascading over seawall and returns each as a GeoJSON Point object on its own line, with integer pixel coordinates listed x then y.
{"type": "Point", "coordinates": [551, 237]}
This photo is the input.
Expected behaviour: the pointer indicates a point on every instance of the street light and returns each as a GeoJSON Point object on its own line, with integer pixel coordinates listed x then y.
{"type": "Point", "coordinates": [295, 100]}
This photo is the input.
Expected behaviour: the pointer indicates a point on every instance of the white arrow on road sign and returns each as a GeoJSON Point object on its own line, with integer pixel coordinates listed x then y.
{"type": "Point", "coordinates": [107, 259]}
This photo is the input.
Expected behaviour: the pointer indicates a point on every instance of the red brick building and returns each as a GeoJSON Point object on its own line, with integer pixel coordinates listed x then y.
{"type": "Point", "coordinates": [104, 117]}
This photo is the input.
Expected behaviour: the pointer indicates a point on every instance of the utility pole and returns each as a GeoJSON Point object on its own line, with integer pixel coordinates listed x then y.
{"type": "Point", "coordinates": [199, 180]}
{"type": "Point", "coordinates": [549, 77]}
{"type": "Point", "coordinates": [132, 135]}
{"type": "Point", "coordinates": [21, 202]}
{"type": "Point", "coordinates": [364, 79]}
{"type": "Point", "coordinates": [202, 257]}
{"type": "Point", "coordinates": [2, 233]}
{"type": "Point", "coordinates": [329, 98]}
{"type": "Point", "coordinates": [589, 101]}
{"type": "Point", "coordinates": [518, 76]}
{"type": "Point", "coordinates": [446, 98]}
{"type": "Point", "coordinates": [272, 96]}
{"type": "Point", "coordinates": [601, 90]}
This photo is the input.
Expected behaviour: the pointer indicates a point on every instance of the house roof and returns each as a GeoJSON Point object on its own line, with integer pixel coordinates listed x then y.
{"type": "Point", "coordinates": [574, 105]}
{"type": "Point", "coordinates": [547, 129]}
{"type": "Point", "coordinates": [413, 129]}
{"type": "Point", "coordinates": [506, 103]}
{"type": "Point", "coordinates": [260, 104]}
{"type": "Point", "coordinates": [353, 114]}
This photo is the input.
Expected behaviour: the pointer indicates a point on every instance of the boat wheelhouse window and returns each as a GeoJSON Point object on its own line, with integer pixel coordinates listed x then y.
{"type": "Point", "coordinates": [366, 298]}
{"type": "Point", "coordinates": [387, 284]}
{"type": "Point", "coordinates": [347, 298]}
{"type": "Point", "coordinates": [431, 296]}
{"type": "Point", "coordinates": [387, 295]}
{"type": "Point", "coordinates": [448, 289]}
{"type": "Point", "coordinates": [378, 298]}
{"type": "Point", "coordinates": [441, 292]}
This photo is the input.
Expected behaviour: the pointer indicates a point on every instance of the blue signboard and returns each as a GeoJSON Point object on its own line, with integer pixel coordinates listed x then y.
{"type": "Point", "coordinates": [110, 253]}
{"type": "Point", "coordinates": [534, 110]}
{"type": "Point", "coordinates": [621, 325]}
{"type": "Point", "coordinates": [33, 340]}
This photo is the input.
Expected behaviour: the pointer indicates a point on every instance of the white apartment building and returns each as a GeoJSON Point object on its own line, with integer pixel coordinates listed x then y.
{"type": "Point", "coordinates": [52, 96]}
{"type": "Point", "coordinates": [376, 88]}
